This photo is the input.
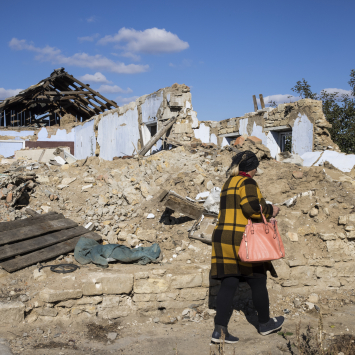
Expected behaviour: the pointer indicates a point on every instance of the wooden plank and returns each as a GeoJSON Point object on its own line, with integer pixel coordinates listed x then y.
{"type": "Point", "coordinates": [112, 103]}
{"type": "Point", "coordinates": [46, 253]}
{"type": "Point", "coordinates": [35, 230]}
{"type": "Point", "coordinates": [255, 103]}
{"type": "Point", "coordinates": [7, 251]}
{"type": "Point", "coordinates": [181, 205]}
{"type": "Point", "coordinates": [51, 216]}
{"type": "Point", "coordinates": [262, 101]}
{"type": "Point", "coordinates": [158, 135]}
{"type": "Point", "coordinates": [66, 92]}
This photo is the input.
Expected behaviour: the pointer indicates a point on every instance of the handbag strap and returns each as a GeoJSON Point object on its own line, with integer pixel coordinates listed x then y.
{"type": "Point", "coordinates": [264, 219]}
{"type": "Point", "coordinates": [261, 212]}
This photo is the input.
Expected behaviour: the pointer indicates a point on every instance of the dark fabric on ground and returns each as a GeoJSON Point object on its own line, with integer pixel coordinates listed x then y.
{"type": "Point", "coordinates": [88, 250]}
{"type": "Point", "coordinates": [226, 294]}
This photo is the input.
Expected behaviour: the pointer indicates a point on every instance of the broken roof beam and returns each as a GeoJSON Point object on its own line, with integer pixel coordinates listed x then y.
{"type": "Point", "coordinates": [82, 99]}
{"type": "Point", "coordinates": [66, 92]}
{"type": "Point", "coordinates": [112, 103]}
{"type": "Point", "coordinates": [78, 99]}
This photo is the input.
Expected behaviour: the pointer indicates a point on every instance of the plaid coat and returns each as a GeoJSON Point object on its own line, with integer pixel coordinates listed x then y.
{"type": "Point", "coordinates": [240, 200]}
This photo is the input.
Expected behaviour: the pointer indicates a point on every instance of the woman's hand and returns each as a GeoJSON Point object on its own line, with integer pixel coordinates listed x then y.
{"type": "Point", "coordinates": [276, 210]}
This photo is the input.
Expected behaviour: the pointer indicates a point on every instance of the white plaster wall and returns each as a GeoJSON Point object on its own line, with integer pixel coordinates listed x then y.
{"type": "Point", "coordinates": [7, 149]}
{"type": "Point", "coordinates": [302, 135]}
{"type": "Point", "coordinates": [61, 135]}
{"type": "Point", "coordinates": [272, 143]}
{"type": "Point", "coordinates": [203, 133]}
{"type": "Point", "coordinates": [243, 126]}
{"type": "Point", "coordinates": [16, 133]}
{"type": "Point", "coordinates": [193, 117]}
{"type": "Point", "coordinates": [116, 134]}
{"type": "Point", "coordinates": [341, 161]}
{"type": "Point", "coordinates": [213, 138]}
{"type": "Point", "coordinates": [151, 106]}
{"type": "Point", "coordinates": [85, 140]}
{"type": "Point", "coordinates": [258, 132]}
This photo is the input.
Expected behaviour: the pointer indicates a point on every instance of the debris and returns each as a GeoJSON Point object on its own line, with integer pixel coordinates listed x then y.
{"type": "Point", "coordinates": [212, 202]}
{"type": "Point", "coordinates": [179, 204]}
{"type": "Point", "coordinates": [32, 240]}
{"type": "Point", "coordinates": [150, 215]}
{"type": "Point", "coordinates": [203, 228]}
{"type": "Point", "coordinates": [202, 196]}
{"type": "Point", "coordinates": [291, 201]}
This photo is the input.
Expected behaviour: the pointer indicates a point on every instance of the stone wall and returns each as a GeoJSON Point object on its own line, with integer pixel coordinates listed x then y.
{"type": "Point", "coordinates": [305, 118]}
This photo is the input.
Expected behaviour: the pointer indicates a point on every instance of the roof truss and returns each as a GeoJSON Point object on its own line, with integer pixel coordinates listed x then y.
{"type": "Point", "coordinates": [53, 97]}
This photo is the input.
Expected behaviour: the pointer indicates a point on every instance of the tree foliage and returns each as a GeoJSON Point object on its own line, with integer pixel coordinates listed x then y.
{"type": "Point", "coordinates": [339, 110]}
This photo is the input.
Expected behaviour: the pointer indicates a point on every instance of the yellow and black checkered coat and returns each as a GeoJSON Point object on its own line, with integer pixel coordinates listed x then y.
{"type": "Point", "coordinates": [240, 200]}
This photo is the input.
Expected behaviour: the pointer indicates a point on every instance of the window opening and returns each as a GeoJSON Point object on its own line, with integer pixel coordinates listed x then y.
{"type": "Point", "coordinates": [152, 129]}
{"type": "Point", "coordinates": [286, 141]}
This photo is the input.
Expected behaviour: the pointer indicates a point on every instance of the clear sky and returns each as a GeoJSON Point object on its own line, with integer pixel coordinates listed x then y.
{"type": "Point", "coordinates": [226, 51]}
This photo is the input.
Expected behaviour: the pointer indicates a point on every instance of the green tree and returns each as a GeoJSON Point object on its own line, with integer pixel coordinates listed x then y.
{"type": "Point", "coordinates": [339, 110]}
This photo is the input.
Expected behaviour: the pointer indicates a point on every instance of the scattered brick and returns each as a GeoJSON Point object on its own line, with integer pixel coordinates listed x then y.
{"type": "Point", "coordinates": [239, 141]}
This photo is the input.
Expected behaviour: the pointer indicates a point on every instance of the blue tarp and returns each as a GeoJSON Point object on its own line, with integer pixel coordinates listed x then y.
{"type": "Point", "coordinates": [89, 250]}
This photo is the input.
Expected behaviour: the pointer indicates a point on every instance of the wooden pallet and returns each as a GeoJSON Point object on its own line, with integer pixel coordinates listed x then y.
{"type": "Point", "coordinates": [28, 241]}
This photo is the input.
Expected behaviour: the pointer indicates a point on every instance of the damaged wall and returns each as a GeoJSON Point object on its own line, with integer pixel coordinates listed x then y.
{"type": "Point", "coordinates": [118, 132]}
{"type": "Point", "coordinates": [304, 118]}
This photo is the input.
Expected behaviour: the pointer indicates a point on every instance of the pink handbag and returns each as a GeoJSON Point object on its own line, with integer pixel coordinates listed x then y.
{"type": "Point", "coordinates": [261, 242]}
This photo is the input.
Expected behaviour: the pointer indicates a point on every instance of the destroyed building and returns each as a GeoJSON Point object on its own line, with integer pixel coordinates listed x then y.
{"type": "Point", "coordinates": [62, 111]}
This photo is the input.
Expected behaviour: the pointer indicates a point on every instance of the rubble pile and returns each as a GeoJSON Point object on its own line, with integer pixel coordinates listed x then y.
{"type": "Point", "coordinates": [16, 183]}
{"type": "Point", "coordinates": [120, 200]}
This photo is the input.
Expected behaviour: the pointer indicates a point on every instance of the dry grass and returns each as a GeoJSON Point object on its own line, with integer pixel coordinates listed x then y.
{"type": "Point", "coordinates": [311, 343]}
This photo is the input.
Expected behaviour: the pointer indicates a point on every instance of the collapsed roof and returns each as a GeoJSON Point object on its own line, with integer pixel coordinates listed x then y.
{"type": "Point", "coordinates": [51, 99]}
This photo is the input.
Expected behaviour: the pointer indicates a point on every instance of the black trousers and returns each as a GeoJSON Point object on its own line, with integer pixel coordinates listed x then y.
{"type": "Point", "coordinates": [226, 294]}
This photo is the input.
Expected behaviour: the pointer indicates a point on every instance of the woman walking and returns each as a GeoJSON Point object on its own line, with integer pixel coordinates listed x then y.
{"type": "Point", "coordinates": [240, 201]}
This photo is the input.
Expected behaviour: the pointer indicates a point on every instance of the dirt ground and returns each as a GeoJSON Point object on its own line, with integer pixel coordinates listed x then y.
{"type": "Point", "coordinates": [140, 336]}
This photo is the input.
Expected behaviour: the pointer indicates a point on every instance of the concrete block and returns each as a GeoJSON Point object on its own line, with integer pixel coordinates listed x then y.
{"type": "Point", "coordinates": [48, 295]}
{"type": "Point", "coordinates": [186, 281]}
{"type": "Point", "coordinates": [326, 272]}
{"type": "Point", "coordinates": [168, 296]}
{"type": "Point", "coordinates": [110, 301]}
{"type": "Point", "coordinates": [145, 297]}
{"type": "Point", "coordinates": [193, 294]}
{"type": "Point", "coordinates": [12, 312]}
{"type": "Point", "coordinates": [113, 313]}
{"type": "Point", "coordinates": [304, 274]}
{"type": "Point", "coordinates": [282, 269]}
{"type": "Point", "coordinates": [47, 312]}
{"type": "Point", "coordinates": [109, 283]}
{"type": "Point", "coordinates": [326, 237]}
{"type": "Point", "coordinates": [151, 285]}
{"type": "Point", "coordinates": [346, 269]}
